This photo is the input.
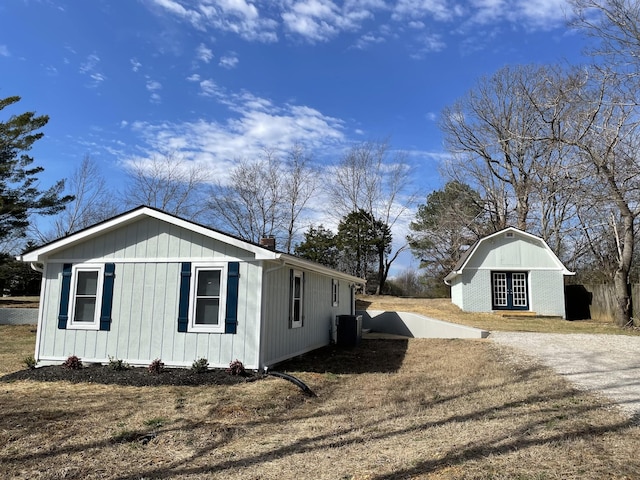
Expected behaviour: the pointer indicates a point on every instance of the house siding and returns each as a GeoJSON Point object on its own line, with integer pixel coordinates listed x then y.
{"type": "Point", "coordinates": [279, 340]}
{"type": "Point", "coordinates": [147, 256]}
{"type": "Point", "coordinates": [144, 322]}
{"type": "Point", "coordinates": [148, 250]}
{"type": "Point", "coordinates": [150, 239]}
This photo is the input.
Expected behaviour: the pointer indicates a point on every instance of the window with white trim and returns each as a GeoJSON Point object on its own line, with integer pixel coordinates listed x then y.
{"type": "Point", "coordinates": [297, 298]}
{"type": "Point", "coordinates": [208, 294]}
{"type": "Point", "coordinates": [335, 289]}
{"type": "Point", "coordinates": [87, 282]}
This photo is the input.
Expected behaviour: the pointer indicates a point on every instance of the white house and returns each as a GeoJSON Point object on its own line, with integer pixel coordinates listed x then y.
{"type": "Point", "coordinates": [509, 270]}
{"type": "Point", "coordinates": [146, 285]}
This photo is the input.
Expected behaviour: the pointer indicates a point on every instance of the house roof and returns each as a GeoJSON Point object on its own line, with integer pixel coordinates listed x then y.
{"type": "Point", "coordinates": [466, 256]}
{"type": "Point", "coordinates": [40, 254]}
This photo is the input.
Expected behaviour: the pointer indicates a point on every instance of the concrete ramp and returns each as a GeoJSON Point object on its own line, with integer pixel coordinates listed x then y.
{"type": "Point", "coordinates": [416, 326]}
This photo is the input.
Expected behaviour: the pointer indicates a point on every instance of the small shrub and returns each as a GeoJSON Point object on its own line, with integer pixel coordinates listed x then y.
{"type": "Point", "coordinates": [236, 368]}
{"type": "Point", "coordinates": [117, 364]}
{"type": "Point", "coordinates": [30, 362]}
{"type": "Point", "coordinates": [156, 367]}
{"type": "Point", "coordinates": [200, 366]}
{"type": "Point", "coordinates": [72, 363]}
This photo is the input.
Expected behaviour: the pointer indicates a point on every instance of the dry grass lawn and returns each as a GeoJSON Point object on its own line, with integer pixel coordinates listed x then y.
{"type": "Point", "coordinates": [390, 409]}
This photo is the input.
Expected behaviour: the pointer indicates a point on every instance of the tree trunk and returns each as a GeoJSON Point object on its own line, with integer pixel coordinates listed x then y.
{"type": "Point", "coordinates": [621, 278]}
{"type": "Point", "coordinates": [382, 273]}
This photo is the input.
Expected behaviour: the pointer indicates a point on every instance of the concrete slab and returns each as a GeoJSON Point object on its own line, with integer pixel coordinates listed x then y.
{"type": "Point", "coordinates": [414, 325]}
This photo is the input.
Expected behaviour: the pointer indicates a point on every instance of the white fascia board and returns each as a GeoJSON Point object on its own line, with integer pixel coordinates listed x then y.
{"type": "Point", "coordinates": [40, 254]}
{"type": "Point", "coordinates": [316, 267]}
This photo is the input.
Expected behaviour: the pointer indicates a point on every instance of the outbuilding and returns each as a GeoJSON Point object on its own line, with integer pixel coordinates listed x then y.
{"type": "Point", "coordinates": [510, 270]}
{"type": "Point", "coordinates": [148, 285]}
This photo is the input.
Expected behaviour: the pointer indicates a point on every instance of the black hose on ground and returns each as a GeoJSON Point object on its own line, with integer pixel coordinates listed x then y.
{"type": "Point", "coordinates": [293, 380]}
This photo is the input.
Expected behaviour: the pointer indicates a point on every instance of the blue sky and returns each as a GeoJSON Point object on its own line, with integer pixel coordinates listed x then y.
{"type": "Point", "coordinates": [220, 80]}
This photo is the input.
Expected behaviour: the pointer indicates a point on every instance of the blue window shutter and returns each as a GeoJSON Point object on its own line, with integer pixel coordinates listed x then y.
{"type": "Point", "coordinates": [107, 296]}
{"type": "Point", "coordinates": [183, 305]}
{"type": "Point", "coordinates": [233, 281]}
{"type": "Point", "coordinates": [63, 316]}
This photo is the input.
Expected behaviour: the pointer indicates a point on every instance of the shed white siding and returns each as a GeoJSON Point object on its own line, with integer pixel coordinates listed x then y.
{"type": "Point", "coordinates": [511, 253]}
{"type": "Point", "coordinates": [510, 250]}
{"type": "Point", "coordinates": [549, 293]}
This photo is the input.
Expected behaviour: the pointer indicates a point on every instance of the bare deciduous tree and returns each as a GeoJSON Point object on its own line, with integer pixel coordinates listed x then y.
{"type": "Point", "coordinates": [93, 201]}
{"type": "Point", "coordinates": [605, 133]}
{"type": "Point", "coordinates": [368, 179]}
{"type": "Point", "coordinates": [168, 182]}
{"type": "Point", "coordinates": [265, 196]}
{"type": "Point", "coordinates": [495, 133]}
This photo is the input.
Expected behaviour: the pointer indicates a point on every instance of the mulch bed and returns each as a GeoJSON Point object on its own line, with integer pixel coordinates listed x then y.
{"type": "Point", "coordinates": [137, 377]}
{"type": "Point", "coordinates": [371, 356]}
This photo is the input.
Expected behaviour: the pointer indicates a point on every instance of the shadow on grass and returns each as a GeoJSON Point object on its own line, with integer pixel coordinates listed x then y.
{"type": "Point", "coordinates": [498, 443]}
{"type": "Point", "coordinates": [527, 414]}
{"type": "Point", "coordinates": [371, 356]}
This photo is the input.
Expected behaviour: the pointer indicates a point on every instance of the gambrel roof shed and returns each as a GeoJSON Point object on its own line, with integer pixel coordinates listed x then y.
{"type": "Point", "coordinates": [146, 284]}
{"type": "Point", "coordinates": [509, 270]}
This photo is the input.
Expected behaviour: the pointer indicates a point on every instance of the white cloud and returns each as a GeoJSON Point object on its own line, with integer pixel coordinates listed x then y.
{"type": "Point", "coordinates": [203, 53]}
{"type": "Point", "coordinates": [193, 78]}
{"type": "Point", "coordinates": [324, 20]}
{"type": "Point", "coordinates": [439, 10]}
{"type": "Point", "coordinates": [208, 88]}
{"type": "Point", "coordinates": [428, 43]}
{"type": "Point", "coordinates": [135, 64]}
{"type": "Point", "coordinates": [229, 61]}
{"type": "Point", "coordinates": [256, 124]}
{"type": "Point", "coordinates": [236, 16]}
{"type": "Point", "coordinates": [153, 87]}
{"type": "Point", "coordinates": [4, 51]}
{"type": "Point", "coordinates": [90, 68]}
{"type": "Point", "coordinates": [532, 14]}
{"type": "Point", "coordinates": [369, 39]}
{"type": "Point", "coordinates": [321, 20]}
{"type": "Point", "coordinates": [176, 8]}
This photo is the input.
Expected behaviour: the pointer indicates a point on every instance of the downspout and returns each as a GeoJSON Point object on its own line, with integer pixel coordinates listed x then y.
{"type": "Point", "coordinates": [35, 267]}
{"type": "Point", "coordinates": [292, 379]}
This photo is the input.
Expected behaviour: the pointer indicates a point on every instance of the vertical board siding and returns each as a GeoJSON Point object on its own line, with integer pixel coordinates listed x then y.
{"type": "Point", "coordinates": [280, 341]}
{"type": "Point", "coordinates": [150, 238]}
{"type": "Point", "coordinates": [144, 322]}
{"type": "Point", "coordinates": [145, 300]}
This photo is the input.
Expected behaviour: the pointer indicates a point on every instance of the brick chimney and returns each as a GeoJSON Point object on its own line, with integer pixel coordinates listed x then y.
{"type": "Point", "coordinates": [268, 242]}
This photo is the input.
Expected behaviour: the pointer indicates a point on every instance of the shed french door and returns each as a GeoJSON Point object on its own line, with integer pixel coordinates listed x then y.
{"type": "Point", "coordinates": [509, 290]}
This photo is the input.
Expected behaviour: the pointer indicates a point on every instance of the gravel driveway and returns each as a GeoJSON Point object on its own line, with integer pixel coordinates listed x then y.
{"type": "Point", "coordinates": [604, 364]}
